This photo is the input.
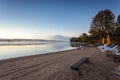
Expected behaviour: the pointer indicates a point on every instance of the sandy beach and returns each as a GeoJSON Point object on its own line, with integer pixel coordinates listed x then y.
{"type": "Point", "coordinates": [56, 66]}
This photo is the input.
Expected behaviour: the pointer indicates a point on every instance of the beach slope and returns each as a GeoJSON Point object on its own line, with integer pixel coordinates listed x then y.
{"type": "Point", "coordinates": [56, 66]}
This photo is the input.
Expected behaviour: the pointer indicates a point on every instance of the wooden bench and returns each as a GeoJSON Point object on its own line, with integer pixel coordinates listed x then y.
{"type": "Point", "coordinates": [76, 65]}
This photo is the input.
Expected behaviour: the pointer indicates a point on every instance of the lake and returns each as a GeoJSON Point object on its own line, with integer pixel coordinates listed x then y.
{"type": "Point", "coordinates": [21, 49]}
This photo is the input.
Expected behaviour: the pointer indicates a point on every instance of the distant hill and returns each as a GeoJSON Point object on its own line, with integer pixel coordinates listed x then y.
{"type": "Point", "coordinates": [61, 38]}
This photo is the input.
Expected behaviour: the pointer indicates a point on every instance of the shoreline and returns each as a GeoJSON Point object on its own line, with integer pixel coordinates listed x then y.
{"type": "Point", "coordinates": [36, 55]}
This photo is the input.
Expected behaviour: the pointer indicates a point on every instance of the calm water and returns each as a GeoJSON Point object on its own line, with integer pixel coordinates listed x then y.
{"type": "Point", "coordinates": [12, 51]}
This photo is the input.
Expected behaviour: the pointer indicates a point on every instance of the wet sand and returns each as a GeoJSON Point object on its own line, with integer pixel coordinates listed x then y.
{"type": "Point", "coordinates": [56, 66]}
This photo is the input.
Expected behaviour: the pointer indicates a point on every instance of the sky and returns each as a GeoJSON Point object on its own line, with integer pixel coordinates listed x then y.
{"type": "Point", "coordinates": [43, 19]}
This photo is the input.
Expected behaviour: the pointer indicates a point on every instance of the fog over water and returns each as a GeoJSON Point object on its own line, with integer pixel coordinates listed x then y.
{"type": "Point", "coordinates": [19, 49]}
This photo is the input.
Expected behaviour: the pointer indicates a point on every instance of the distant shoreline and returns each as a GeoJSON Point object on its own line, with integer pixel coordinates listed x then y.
{"type": "Point", "coordinates": [16, 40]}
{"type": "Point", "coordinates": [18, 44]}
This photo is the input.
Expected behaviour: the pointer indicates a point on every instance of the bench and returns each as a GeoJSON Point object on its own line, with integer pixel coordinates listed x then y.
{"type": "Point", "coordinates": [76, 65]}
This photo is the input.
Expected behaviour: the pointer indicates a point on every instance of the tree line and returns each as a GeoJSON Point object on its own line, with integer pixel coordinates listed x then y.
{"type": "Point", "coordinates": [104, 23]}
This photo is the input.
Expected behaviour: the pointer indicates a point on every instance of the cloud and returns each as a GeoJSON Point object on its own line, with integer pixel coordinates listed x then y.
{"type": "Point", "coordinates": [60, 37]}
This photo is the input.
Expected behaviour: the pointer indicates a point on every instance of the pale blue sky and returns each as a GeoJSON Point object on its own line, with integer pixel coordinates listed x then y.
{"type": "Point", "coordinates": [45, 18]}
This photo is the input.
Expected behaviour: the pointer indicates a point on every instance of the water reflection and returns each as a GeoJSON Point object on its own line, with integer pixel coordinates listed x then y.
{"type": "Point", "coordinates": [11, 51]}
